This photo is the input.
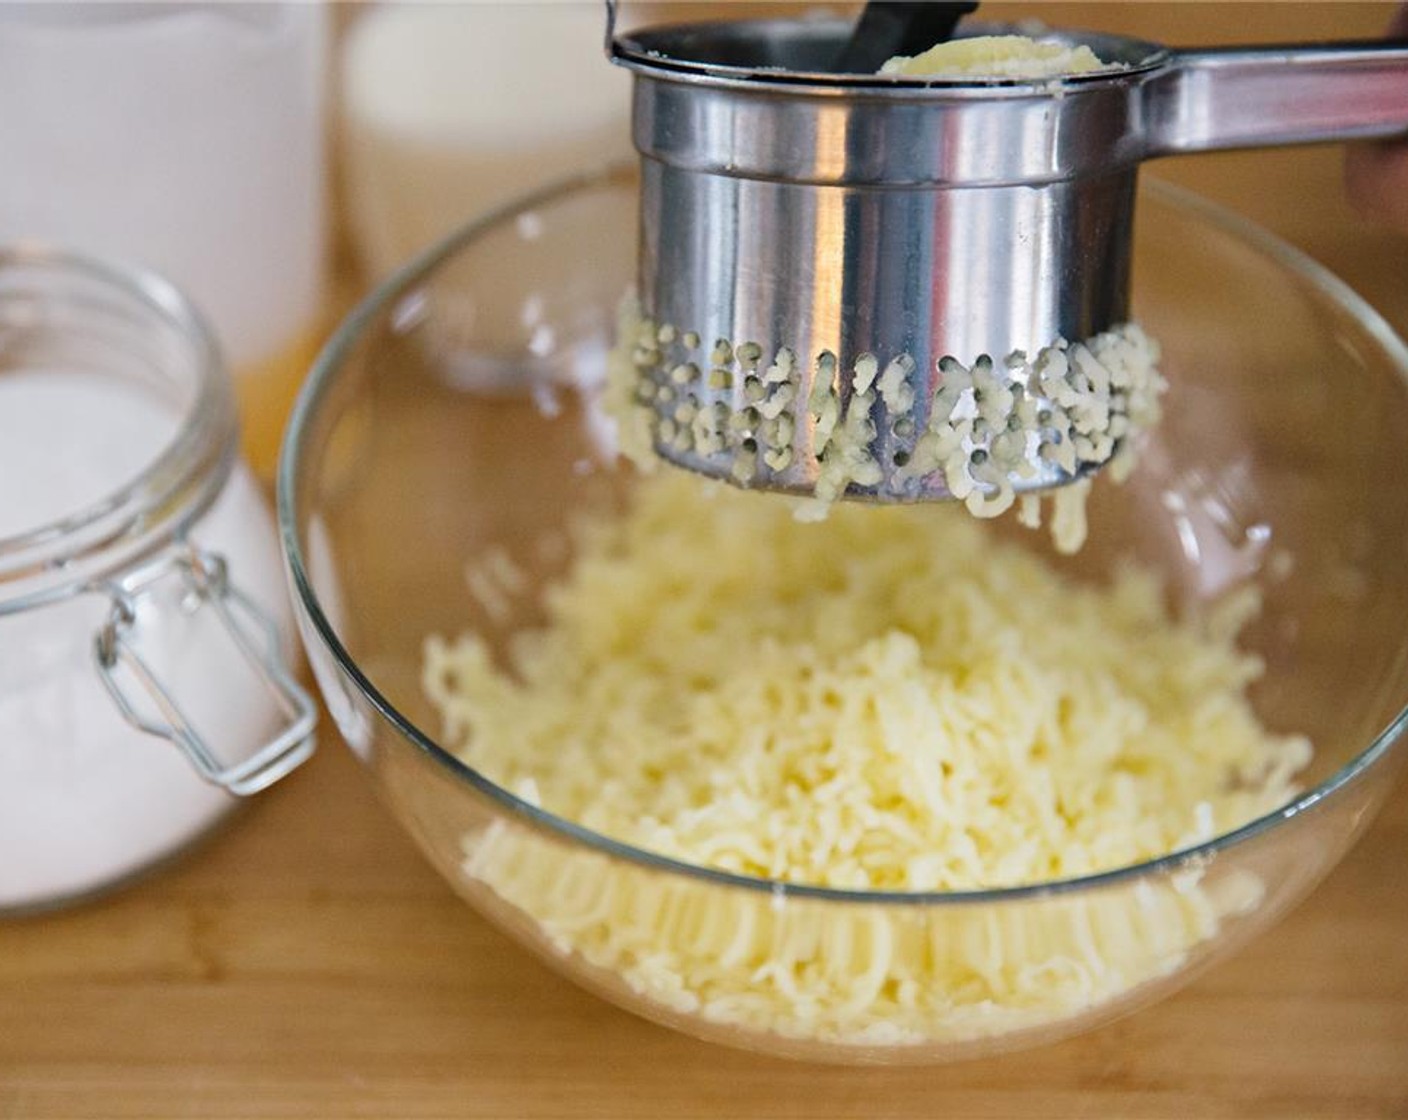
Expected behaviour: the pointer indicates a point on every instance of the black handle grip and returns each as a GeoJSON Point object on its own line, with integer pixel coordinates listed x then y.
{"type": "Point", "coordinates": [887, 28]}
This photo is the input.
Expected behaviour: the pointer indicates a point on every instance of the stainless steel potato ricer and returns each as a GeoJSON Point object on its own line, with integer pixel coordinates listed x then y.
{"type": "Point", "coordinates": [815, 243]}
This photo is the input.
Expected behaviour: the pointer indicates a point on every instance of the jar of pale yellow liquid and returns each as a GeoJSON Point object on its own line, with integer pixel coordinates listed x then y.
{"type": "Point", "coordinates": [448, 110]}
{"type": "Point", "coordinates": [188, 137]}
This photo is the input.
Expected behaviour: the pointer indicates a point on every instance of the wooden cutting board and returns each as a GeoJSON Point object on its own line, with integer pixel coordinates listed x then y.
{"type": "Point", "coordinates": [306, 963]}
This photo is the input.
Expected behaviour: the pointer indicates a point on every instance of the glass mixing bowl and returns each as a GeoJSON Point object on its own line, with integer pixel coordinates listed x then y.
{"type": "Point", "coordinates": [454, 415]}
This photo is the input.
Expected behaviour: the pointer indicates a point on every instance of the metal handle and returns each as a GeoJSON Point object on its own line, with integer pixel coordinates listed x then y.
{"type": "Point", "coordinates": [610, 28]}
{"type": "Point", "coordinates": [1242, 97]}
{"type": "Point", "coordinates": [256, 638]}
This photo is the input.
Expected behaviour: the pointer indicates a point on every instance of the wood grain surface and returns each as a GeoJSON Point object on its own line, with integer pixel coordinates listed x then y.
{"type": "Point", "coordinates": [305, 962]}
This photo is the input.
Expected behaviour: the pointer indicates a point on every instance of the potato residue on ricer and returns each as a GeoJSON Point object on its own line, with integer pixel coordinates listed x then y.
{"type": "Point", "coordinates": [888, 700]}
{"type": "Point", "coordinates": [1076, 405]}
{"type": "Point", "coordinates": [996, 56]}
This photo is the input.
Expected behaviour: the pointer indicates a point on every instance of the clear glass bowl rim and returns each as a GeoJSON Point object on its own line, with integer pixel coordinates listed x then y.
{"type": "Point", "coordinates": [335, 352]}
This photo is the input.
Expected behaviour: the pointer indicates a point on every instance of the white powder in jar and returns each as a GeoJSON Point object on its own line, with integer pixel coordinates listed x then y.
{"type": "Point", "coordinates": [85, 799]}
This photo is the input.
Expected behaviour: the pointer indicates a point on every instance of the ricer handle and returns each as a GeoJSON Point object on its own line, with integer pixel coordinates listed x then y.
{"type": "Point", "coordinates": [1258, 97]}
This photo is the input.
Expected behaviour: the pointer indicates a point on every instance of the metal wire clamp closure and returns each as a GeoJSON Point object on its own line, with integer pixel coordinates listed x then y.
{"type": "Point", "coordinates": [127, 675]}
